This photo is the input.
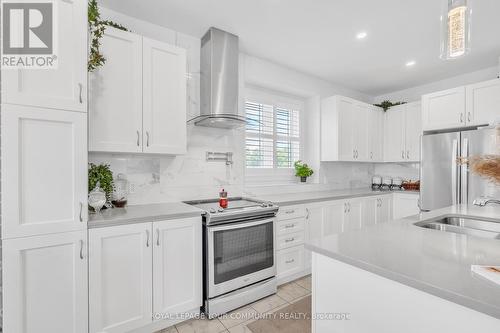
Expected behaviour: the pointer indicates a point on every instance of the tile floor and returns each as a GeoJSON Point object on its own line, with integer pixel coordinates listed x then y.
{"type": "Point", "coordinates": [237, 321]}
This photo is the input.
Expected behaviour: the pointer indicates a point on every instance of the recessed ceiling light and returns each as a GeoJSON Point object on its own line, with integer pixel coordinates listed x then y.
{"type": "Point", "coordinates": [361, 35]}
{"type": "Point", "coordinates": [410, 63]}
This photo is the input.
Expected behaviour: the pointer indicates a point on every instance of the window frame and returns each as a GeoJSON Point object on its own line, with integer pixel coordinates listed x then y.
{"type": "Point", "coordinates": [277, 99]}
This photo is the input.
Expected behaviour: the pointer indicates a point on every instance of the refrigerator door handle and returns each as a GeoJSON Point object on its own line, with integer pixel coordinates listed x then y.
{"type": "Point", "coordinates": [454, 173]}
{"type": "Point", "coordinates": [464, 179]}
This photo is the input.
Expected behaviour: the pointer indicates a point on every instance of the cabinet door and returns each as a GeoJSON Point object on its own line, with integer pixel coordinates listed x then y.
{"type": "Point", "coordinates": [333, 218]}
{"type": "Point", "coordinates": [375, 134]}
{"type": "Point", "coordinates": [483, 102]}
{"type": "Point", "coordinates": [353, 216]}
{"type": "Point", "coordinates": [413, 131]}
{"type": "Point", "coordinates": [369, 211]}
{"type": "Point", "coordinates": [394, 134]}
{"type": "Point", "coordinates": [177, 266]}
{"type": "Point", "coordinates": [120, 278]}
{"type": "Point", "coordinates": [64, 87]}
{"type": "Point", "coordinates": [115, 109]}
{"type": "Point", "coordinates": [45, 283]}
{"type": "Point", "coordinates": [346, 111]}
{"type": "Point", "coordinates": [405, 205]}
{"type": "Point", "coordinates": [164, 98]}
{"type": "Point", "coordinates": [384, 209]}
{"type": "Point", "coordinates": [44, 171]}
{"type": "Point", "coordinates": [444, 109]}
{"type": "Point", "coordinates": [359, 125]}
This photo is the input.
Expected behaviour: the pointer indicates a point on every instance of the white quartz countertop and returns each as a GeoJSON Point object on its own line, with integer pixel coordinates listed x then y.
{"type": "Point", "coordinates": [142, 213]}
{"type": "Point", "coordinates": [433, 261]}
{"type": "Point", "coordinates": [288, 199]}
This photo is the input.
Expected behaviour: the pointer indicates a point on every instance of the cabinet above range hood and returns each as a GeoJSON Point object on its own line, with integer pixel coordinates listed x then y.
{"type": "Point", "coordinates": [219, 81]}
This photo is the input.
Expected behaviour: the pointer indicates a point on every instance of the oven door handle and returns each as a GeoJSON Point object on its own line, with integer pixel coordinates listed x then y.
{"type": "Point", "coordinates": [233, 226]}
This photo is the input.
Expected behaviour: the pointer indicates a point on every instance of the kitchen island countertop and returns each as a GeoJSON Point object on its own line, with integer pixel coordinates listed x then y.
{"type": "Point", "coordinates": [436, 262]}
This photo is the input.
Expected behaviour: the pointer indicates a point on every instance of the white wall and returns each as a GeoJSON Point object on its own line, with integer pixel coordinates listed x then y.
{"type": "Point", "coordinates": [415, 93]}
{"type": "Point", "coordinates": [172, 178]}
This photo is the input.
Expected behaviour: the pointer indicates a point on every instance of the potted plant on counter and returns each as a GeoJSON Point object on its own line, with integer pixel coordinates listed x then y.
{"type": "Point", "coordinates": [302, 170]}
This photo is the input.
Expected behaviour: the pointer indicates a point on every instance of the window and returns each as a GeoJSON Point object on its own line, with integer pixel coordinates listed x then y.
{"type": "Point", "coordinates": [272, 132]}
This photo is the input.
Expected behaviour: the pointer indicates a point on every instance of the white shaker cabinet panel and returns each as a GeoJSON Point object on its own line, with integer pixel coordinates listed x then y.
{"type": "Point", "coordinates": [115, 99]}
{"type": "Point", "coordinates": [45, 283]}
{"type": "Point", "coordinates": [120, 278]}
{"type": "Point", "coordinates": [384, 209]}
{"type": "Point", "coordinates": [483, 102]}
{"type": "Point", "coordinates": [346, 120]}
{"type": "Point", "coordinates": [405, 205]}
{"type": "Point", "coordinates": [359, 125]}
{"type": "Point", "coordinates": [394, 134]}
{"type": "Point", "coordinates": [64, 87]}
{"type": "Point", "coordinates": [334, 217]}
{"type": "Point", "coordinates": [164, 98]}
{"type": "Point", "coordinates": [44, 171]}
{"type": "Point", "coordinates": [177, 265]}
{"type": "Point", "coordinates": [413, 131]}
{"type": "Point", "coordinates": [375, 134]}
{"type": "Point", "coordinates": [444, 109]}
{"type": "Point", "coordinates": [354, 214]}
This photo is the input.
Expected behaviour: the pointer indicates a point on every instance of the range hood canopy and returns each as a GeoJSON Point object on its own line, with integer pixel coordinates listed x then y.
{"type": "Point", "coordinates": [219, 81]}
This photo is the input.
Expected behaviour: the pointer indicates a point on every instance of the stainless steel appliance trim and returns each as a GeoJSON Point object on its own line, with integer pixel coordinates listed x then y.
{"type": "Point", "coordinates": [228, 286]}
{"type": "Point", "coordinates": [454, 175]}
{"type": "Point", "coordinates": [464, 174]}
{"type": "Point", "coordinates": [81, 212]}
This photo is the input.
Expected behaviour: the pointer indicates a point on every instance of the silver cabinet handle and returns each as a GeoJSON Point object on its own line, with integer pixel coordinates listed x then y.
{"type": "Point", "coordinates": [371, 155]}
{"type": "Point", "coordinates": [80, 98]}
{"type": "Point", "coordinates": [353, 154]}
{"type": "Point", "coordinates": [349, 205]}
{"type": "Point", "coordinates": [290, 211]}
{"type": "Point", "coordinates": [345, 207]}
{"type": "Point", "coordinates": [461, 117]}
{"type": "Point", "coordinates": [408, 154]}
{"type": "Point", "coordinates": [357, 154]}
{"type": "Point", "coordinates": [288, 226]}
{"type": "Point", "coordinates": [147, 238]}
{"type": "Point", "coordinates": [158, 237]}
{"type": "Point", "coordinates": [290, 261]}
{"type": "Point", "coordinates": [138, 135]}
{"type": "Point", "coordinates": [81, 249]}
{"type": "Point", "coordinates": [307, 213]}
{"type": "Point", "coordinates": [147, 139]}
{"type": "Point", "coordinates": [403, 154]}
{"type": "Point", "coordinates": [468, 116]}
{"type": "Point", "coordinates": [81, 212]}
{"type": "Point", "coordinates": [288, 240]}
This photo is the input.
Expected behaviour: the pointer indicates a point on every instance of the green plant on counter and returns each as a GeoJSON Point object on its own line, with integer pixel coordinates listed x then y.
{"type": "Point", "coordinates": [302, 170]}
{"type": "Point", "coordinates": [96, 30]}
{"type": "Point", "coordinates": [386, 105]}
{"type": "Point", "coordinates": [102, 174]}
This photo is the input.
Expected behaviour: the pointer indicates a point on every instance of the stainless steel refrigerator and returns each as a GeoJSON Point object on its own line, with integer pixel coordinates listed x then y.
{"type": "Point", "coordinates": [443, 182]}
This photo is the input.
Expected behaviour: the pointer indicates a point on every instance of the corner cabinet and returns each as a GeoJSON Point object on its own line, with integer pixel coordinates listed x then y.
{"type": "Point", "coordinates": [402, 134]}
{"type": "Point", "coordinates": [137, 101]}
{"type": "Point", "coordinates": [45, 283]}
{"type": "Point", "coordinates": [64, 87]}
{"type": "Point", "coordinates": [483, 102]}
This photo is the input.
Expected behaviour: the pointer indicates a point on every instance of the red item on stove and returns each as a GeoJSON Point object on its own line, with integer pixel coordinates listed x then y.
{"type": "Point", "coordinates": [223, 199]}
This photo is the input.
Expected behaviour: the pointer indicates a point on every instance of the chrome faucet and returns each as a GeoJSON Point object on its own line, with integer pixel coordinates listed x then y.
{"type": "Point", "coordinates": [483, 201]}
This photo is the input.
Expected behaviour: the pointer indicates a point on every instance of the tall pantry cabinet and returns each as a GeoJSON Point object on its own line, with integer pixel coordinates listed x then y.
{"type": "Point", "coordinates": [44, 186]}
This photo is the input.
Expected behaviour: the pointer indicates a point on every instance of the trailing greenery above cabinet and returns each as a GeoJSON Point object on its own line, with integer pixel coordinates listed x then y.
{"type": "Point", "coordinates": [137, 102]}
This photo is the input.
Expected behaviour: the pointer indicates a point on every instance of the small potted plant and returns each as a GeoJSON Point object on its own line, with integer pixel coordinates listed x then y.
{"type": "Point", "coordinates": [302, 170]}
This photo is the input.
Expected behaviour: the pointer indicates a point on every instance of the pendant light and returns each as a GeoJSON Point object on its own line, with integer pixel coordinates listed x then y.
{"type": "Point", "coordinates": [455, 28]}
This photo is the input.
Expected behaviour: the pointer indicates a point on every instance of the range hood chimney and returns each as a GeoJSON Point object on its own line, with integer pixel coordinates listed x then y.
{"type": "Point", "coordinates": [219, 81]}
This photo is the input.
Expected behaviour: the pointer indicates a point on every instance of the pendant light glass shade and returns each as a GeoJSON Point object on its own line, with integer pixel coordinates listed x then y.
{"type": "Point", "coordinates": [455, 28]}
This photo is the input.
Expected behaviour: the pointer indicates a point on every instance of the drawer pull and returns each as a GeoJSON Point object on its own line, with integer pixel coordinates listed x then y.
{"type": "Point", "coordinates": [288, 226]}
{"type": "Point", "coordinates": [290, 261]}
{"type": "Point", "coordinates": [290, 211]}
{"type": "Point", "coordinates": [288, 240]}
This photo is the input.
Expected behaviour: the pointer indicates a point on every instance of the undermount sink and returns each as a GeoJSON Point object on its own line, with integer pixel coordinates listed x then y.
{"type": "Point", "coordinates": [464, 225]}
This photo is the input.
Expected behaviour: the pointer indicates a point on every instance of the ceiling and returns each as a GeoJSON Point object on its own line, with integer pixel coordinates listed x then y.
{"type": "Point", "coordinates": [319, 37]}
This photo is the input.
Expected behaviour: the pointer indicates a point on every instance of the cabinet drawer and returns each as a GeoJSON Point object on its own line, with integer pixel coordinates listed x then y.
{"type": "Point", "coordinates": [289, 240]}
{"type": "Point", "coordinates": [290, 261]}
{"type": "Point", "coordinates": [290, 226]}
{"type": "Point", "coordinates": [287, 213]}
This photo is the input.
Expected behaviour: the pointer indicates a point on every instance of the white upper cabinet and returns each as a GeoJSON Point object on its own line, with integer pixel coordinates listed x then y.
{"type": "Point", "coordinates": [402, 133]}
{"type": "Point", "coordinates": [344, 131]}
{"type": "Point", "coordinates": [44, 171]}
{"type": "Point", "coordinates": [115, 99]}
{"type": "Point", "coordinates": [120, 278]}
{"type": "Point", "coordinates": [138, 98]}
{"type": "Point", "coordinates": [64, 87]}
{"type": "Point", "coordinates": [444, 109]}
{"type": "Point", "coordinates": [177, 266]}
{"type": "Point", "coordinates": [164, 98]}
{"type": "Point", "coordinates": [483, 102]}
{"type": "Point", "coordinates": [45, 283]}
{"type": "Point", "coordinates": [375, 134]}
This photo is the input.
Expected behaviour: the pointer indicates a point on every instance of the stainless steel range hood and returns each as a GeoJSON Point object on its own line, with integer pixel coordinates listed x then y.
{"type": "Point", "coordinates": [219, 81]}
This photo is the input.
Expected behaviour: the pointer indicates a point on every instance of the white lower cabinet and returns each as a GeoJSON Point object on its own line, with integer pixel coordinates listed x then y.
{"type": "Point", "coordinates": [45, 283]}
{"type": "Point", "coordinates": [177, 266]}
{"type": "Point", "coordinates": [139, 270]}
{"type": "Point", "coordinates": [120, 277]}
{"type": "Point", "coordinates": [405, 205]}
{"type": "Point", "coordinates": [290, 263]}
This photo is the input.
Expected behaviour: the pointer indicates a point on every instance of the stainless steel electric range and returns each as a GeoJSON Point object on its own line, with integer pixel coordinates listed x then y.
{"type": "Point", "coordinates": [239, 249]}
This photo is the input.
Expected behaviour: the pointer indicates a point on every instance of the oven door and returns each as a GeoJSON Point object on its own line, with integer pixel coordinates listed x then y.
{"type": "Point", "coordinates": [240, 254]}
